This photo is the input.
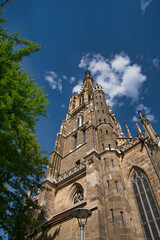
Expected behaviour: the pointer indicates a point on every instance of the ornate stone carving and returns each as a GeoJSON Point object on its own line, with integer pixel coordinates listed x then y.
{"type": "Point", "coordinates": [129, 144]}
{"type": "Point", "coordinates": [90, 161]}
{"type": "Point", "coordinates": [71, 172]}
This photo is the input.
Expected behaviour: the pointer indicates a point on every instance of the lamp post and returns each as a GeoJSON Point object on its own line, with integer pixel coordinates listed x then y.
{"type": "Point", "coordinates": [82, 215]}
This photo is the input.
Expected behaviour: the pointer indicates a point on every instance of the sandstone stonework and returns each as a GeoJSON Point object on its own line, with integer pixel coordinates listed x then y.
{"type": "Point", "coordinates": [92, 166]}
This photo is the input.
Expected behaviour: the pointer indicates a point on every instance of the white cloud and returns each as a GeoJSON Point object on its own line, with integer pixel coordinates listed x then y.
{"type": "Point", "coordinates": [64, 77]}
{"type": "Point", "coordinates": [135, 119]}
{"type": "Point", "coordinates": [146, 111]}
{"type": "Point", "coordinates": [84, 61]}
{"type": "Point", "coordinates": [77, 88]}
{"type": "Point", "coordinates": [144, 4]}
{"type": "Point", "coordinates": [155, 62]}
{"type": "Point", "coordinates": [52, 78]}
{"type": "Point", "coordinates": [120, 62]}
{"type": "Point", "coordinates": [59, 85]}
{"type": "Point", "coordinates": [118, 76]}
{"type": "Point", "coordinates": [72, 79]}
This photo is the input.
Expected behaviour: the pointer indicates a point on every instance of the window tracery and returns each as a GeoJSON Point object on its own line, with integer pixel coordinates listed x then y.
{"type": "Point", "coordinates": [147, 207]}
{"type": "Point", "coordinates": [78, 197]}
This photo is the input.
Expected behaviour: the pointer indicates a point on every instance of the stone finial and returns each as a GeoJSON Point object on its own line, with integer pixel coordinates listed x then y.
{"type": "Point", "coordinates": [143, 118]}
{"type": "Point", "coordinates": [138, 127]}
{"type": "Point", "coordinates": [148, 127]}
{"type": "Point", "coordinates": [127, 129]}
{"type": "Point", "coordinates": [87, 74]}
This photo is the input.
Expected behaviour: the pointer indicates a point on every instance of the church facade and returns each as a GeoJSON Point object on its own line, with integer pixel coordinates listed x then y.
{"type": "Point", "coordinates": [95, 166]}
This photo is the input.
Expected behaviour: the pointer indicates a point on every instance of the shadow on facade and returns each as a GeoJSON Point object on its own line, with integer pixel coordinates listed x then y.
{"type": "Point", "coordinates": [46, 236]}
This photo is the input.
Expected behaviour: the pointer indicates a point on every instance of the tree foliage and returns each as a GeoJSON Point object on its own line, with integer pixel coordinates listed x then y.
{"type": "Point", "coordinates": [21, 158]}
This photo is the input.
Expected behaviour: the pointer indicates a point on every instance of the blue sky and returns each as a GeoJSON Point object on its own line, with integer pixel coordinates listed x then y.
{"type": "Point", "coordinates": [117, 40]}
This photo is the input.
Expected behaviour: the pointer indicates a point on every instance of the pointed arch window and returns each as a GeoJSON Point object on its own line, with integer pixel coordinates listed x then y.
{"type": "Point", "coordinates": [146, 203]}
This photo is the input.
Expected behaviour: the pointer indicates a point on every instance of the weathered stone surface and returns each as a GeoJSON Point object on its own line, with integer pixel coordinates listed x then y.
{"type": "Point", "coordinates": [93, 158]}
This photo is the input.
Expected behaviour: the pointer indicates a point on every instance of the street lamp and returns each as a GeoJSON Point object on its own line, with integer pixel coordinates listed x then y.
{"type": "Point", "coordinates": [81, 214]}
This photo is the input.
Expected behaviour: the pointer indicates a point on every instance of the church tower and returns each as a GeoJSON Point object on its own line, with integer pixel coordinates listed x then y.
{"type": "Point", "coordinates": [94, 165]}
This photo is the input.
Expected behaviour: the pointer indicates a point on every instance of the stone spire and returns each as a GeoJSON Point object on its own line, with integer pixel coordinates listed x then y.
{"type": "Point", "coordinates": [148, 127]}
{"type": "Point", "coordinates": [119, 129]}
{"type": "Point", "coordinates": [138, 127]}
{"type": "Point", "coordinates": [88, 81]}
{"type": "Point", "coordinates": [128, 132]}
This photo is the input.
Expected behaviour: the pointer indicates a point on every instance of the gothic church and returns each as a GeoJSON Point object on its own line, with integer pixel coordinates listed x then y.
{"type": "Point", "coordinates": [95, 166]}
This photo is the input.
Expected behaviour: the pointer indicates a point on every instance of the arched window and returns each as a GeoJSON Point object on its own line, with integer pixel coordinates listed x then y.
{"type": "Point", "coordinates": [75, 194]}
{"type": "Point", "coordinates": [80, 121]}
{"type": "Point", "coordinates": [147, 207]}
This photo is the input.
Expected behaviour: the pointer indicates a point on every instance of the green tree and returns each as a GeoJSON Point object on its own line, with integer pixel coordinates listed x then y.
{"type": "Point", "coordinates": [21, 158]}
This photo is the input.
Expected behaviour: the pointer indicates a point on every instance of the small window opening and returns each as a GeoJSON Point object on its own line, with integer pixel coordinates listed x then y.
{"type": "Point", "coordinates": [102, 111]}
{"type": "Point", "coordinates": [97, 103]}
{"type": "Point", "coordinates": [100, 96]}
{"type": "Point", "coordinates": [122, 218]}
{"type": "Point", "coordinates": [84, 136]}
{"type": "Point", "coordinates": [104, 120]}
{"type": "Point", "coordinates": [82, 120]}
{"type": "Point", "coordinates": [112, 161]}
{"type": "Point", "coordinates": [75, 141]}
{"type": "Point", "coordinates": [98, 111]}
{"type": "Point", "coordinates": [78, 162]}
{"type": "Point", "coordinates": [101, 104]}
{"type": "Point", "coordinates": [109, 146]}
{"type": "Point", "coordinates": [106, 132]}
{"type": "Point", "coordinates": [99, 120]}
{"type": "Point", "coordinates": [112, 214]}
{"type": "Point", "coordinates": [116, 182]}
{"type": "Point", "coordinates": [102, 146]}
{"type": "Point", "coordinates": [78, 122]}
{"type": "Point", "coordinates": [105, 162]}
{"type": "Point", "coordinates": [80, 101]}
{"type": "Point", "coordinates": [100, 130]}
{"type": "Point", "coordinates": [108, 184]}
